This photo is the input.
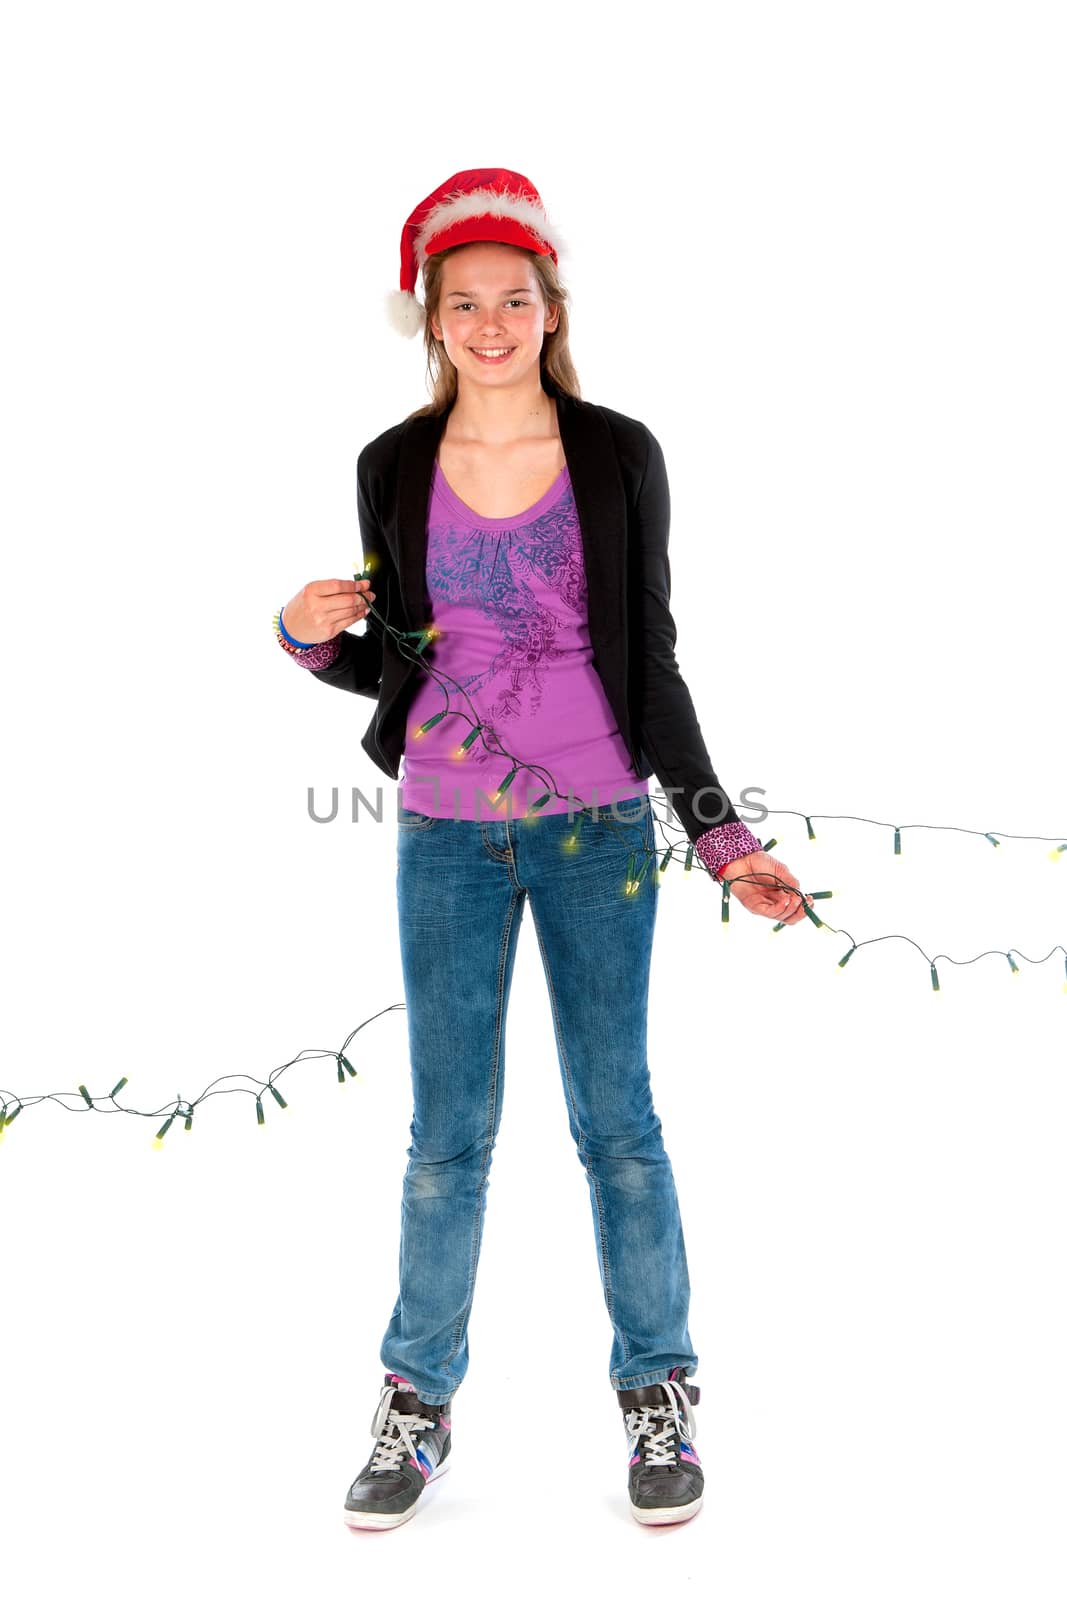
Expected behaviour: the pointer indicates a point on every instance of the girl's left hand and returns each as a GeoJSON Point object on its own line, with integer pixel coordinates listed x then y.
{"type": "Point", "coordinates": [764, 897]}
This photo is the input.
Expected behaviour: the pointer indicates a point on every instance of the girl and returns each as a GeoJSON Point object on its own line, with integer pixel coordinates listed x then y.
{"type": "Point", "coordinates": [530, 527]}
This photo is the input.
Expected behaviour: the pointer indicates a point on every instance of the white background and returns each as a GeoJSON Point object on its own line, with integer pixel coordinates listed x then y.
{"type": "Point", "coordinates": [820, 250]}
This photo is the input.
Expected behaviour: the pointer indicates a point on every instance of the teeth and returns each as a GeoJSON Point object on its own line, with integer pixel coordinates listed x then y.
{"type": "Point", "coordinates": [502, 352]}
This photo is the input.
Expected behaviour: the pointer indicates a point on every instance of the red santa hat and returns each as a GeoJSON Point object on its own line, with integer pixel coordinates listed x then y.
{"type": "Point", "coordinates": [484, 203]}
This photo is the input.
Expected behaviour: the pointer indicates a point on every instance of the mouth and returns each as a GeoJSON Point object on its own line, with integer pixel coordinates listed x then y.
{"type": "Point", "coordinates": [495, 355]}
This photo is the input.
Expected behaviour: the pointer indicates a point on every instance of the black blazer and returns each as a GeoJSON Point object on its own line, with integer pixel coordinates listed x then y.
{"type": "Point", "coordinates": [619, 480]}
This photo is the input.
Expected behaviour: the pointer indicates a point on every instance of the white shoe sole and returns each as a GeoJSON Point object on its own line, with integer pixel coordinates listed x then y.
{"type": "Point", "coordinates": [666, 1514]}
{"type": "Point", "coordinates": [393, 1519]}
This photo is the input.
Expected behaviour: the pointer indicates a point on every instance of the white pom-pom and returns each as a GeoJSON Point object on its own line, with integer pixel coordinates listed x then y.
{"type": "Point", "coordinates": [405, 313]}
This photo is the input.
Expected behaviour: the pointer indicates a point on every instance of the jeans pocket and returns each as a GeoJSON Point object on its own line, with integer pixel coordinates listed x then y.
{"type": "Point", "coordinates": [632, 809]}
{"type": "Point", "coordinates": [413, 821]}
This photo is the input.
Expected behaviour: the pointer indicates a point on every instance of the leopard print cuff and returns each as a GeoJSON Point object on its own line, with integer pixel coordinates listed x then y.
{"type": "Point", "coordinates": [725, 843]}
{"type": "Point", "coordinates": [317, 655]}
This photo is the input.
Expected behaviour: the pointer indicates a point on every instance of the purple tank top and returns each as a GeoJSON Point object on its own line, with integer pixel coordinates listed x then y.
{"type": "Point", "coordinates": [509, 597]}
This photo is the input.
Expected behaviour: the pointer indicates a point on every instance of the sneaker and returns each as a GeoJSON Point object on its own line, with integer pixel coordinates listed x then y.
{"type": "Point", "coordinates": [666, 1478]}
{"type": "Point", "coordinates": [413, 1448]}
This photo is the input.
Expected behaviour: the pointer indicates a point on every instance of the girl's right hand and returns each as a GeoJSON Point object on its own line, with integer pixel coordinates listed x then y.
{"type": "Point", "coordinates": [325, 607]}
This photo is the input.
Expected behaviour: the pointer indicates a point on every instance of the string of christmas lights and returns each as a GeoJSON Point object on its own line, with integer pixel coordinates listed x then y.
{"type": "Point", "coordinates": [12, 1105]}
{"type": "Point", "coordinates": [635, 874]}
{"type": "Point", "coordinates": [108, 1105]}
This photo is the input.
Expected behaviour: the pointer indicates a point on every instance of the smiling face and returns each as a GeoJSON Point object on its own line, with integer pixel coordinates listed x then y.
{"type": "Point", "coordinates": [491, 301]}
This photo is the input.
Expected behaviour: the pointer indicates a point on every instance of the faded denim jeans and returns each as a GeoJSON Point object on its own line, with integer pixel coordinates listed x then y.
{"type": "Point", "coordinates": [462, 887]}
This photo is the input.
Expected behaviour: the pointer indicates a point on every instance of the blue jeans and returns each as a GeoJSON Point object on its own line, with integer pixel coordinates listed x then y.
{"type": "Point", "coordinates": [461, 891]}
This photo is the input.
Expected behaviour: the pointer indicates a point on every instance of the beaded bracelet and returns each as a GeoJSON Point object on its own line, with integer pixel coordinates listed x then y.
{"type": "Point", "coordinates": [315, 657]}
{"type": "Point", "coordinates": [285, 638]}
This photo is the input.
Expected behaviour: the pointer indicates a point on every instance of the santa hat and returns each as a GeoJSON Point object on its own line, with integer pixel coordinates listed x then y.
{"type": "Point", "coordinates": [484, 203]}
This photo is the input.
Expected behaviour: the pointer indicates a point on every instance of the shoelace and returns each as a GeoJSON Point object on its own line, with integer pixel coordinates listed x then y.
{"type": "Point", "coordinates": [396, 1444]}
{"type": "Point", "coordinates": [662, 1426]}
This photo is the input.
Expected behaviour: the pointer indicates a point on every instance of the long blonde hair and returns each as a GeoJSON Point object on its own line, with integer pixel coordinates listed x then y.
{"type": "Point", "coordinates": [557, 367]}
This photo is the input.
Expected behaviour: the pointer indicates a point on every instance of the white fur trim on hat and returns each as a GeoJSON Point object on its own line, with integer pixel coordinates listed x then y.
{"type": "Point", "coordinates": [406, 314]}
{"type": "Point", "coordinates": [483, 203]}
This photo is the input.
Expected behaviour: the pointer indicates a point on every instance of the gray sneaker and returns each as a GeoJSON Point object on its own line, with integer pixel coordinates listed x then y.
{"type": "Point", "coordinates": [666, 1479]}
{"type": "Point", "coordinates": [413, 1448]}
